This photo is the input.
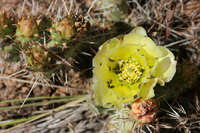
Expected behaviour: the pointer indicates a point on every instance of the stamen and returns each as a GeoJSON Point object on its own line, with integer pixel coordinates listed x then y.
{"type": "Point", "coordinates": [129, 70]}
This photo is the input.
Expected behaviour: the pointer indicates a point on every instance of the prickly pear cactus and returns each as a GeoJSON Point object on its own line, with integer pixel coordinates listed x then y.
{"type": "Point", "coordinates": [40, 37]}
{"type": "Point", "coordinates": [44, 23]}
{"type": "Point", "coordinates": [27, 29]}
{"type": "Point", "coordinates": [62, 31]}
{"type": "Point", "coordinates": [38, 58]}
{"type": "Point", "coordinates": [66, 30]}
{"type": "Point", "coordinates": [7, 25]}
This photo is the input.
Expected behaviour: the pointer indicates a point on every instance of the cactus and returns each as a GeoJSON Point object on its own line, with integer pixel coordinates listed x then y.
{"type": "Point", "coordinates": [121, 121]}
{"type": "Point", "coordinates": [44, 23]}
{"type": "Point", "coordinates": [27, 29]}
{"type": "Point", "coordinates": [67, 29]}
{"type": "Point", "coordinates": [38, 58]}
{"type": "Point", "coordinates": [30, 32]}
{"type": "Point", "coordinates": [7, 27]}
{"type": "Point", "coordinates": [62, 31]}
{"type": "Point", "coordinates": [60, 34]}
{"type": "Point", "coordinates": [7, 31]}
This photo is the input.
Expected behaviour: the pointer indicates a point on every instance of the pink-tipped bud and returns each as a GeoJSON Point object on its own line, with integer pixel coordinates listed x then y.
{"type": "Point", "coordinates": [144, 110]}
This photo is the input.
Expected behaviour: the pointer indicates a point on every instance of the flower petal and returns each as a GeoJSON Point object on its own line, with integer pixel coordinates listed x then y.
{"type": "Point", "coordinates": [147, 44]}
{"type": "Point", "coordinates": [139, 30]}
{"type": "Point", "coordinates": [146, 90]}
{"type": "Point", "coordinates": [108, 90]}
{"type": "Point", "coordinates": [104, 50]}
{"type": "Point", "coordinates": [164, 69]}
{"type": "Point", "coordinates": [166, 52]}
{"type": "Point", "coordinates": [102, 96]}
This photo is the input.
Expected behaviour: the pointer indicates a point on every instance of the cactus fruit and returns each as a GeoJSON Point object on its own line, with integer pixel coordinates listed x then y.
{"type": "Point", "coordinates": [7, 27]}
{"type": "Point", "coordinates": [27, 29]}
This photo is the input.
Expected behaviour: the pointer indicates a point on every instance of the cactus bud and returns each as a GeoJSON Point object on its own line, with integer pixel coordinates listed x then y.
{"type": "Point", "coordinates": [144, 110]}
{"type": "Point", "coordinates": [38, 58]}
{"type": "Point", "coordinates": [67, 29]}
{"type": "Point", "coordinates": [27, 29]}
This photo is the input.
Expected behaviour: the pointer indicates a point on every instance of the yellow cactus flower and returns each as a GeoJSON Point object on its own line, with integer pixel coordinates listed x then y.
{"type": "Point", "coordinates": [128, 68]}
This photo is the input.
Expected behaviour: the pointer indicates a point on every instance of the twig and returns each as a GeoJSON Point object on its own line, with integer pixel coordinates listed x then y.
{"type": "Point", "coordinates": [49, 8]}
{"type": "Point", "coordinates": [162, 25]}
{"type": "Point", "coordinates": [92, 5]}
{"type": "Point", "coordinates": [33, 86]}
{"type": "Point", "coordinates": [16, 73]}
{"type": "Point", "coordinates": [70, 104]}
{"type": "Point", "coordinates": [45, 85]}
{"type": "Point", "coordinates": [64, 4]}
{"type": "Point", "coordinates": [71, 6]}
{"type": "Point", "coordinates": [174, 43]}
{"type": "Point", "coordinates": [36, 104]}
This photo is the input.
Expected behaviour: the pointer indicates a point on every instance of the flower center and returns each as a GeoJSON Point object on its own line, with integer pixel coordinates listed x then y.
{"type": "Point", "coordinates": [129, 70]}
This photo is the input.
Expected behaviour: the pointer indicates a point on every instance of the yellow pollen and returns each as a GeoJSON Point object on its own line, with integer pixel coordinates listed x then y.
{"type": "Point", "coordinates": [130, 70]}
